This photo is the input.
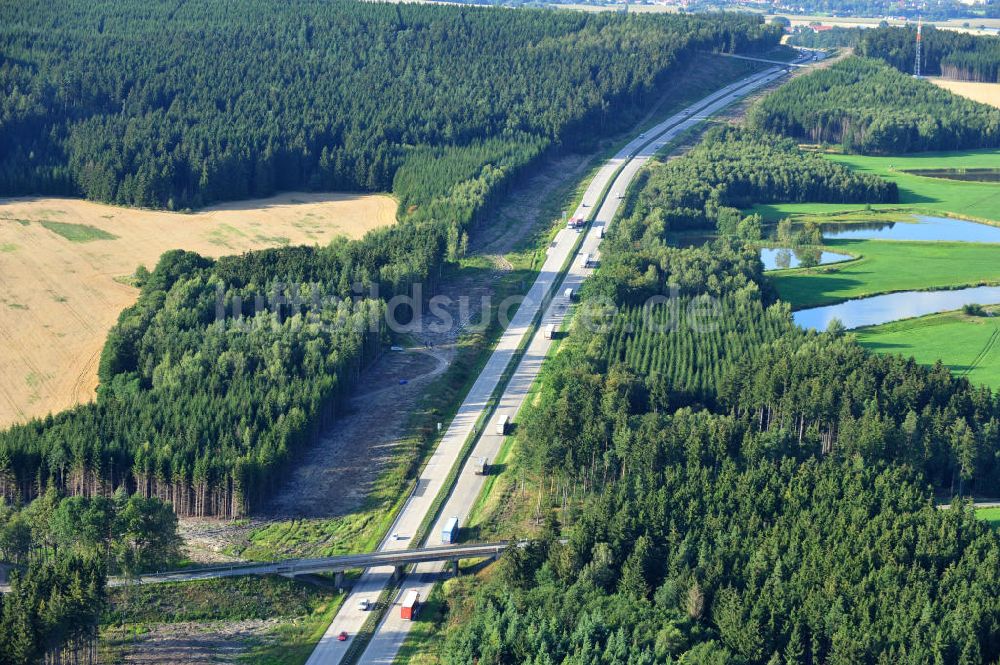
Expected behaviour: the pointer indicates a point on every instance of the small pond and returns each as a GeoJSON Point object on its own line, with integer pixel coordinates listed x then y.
{"type": "Point", "coordinates": [895, 306]}
{"type": "Point", "coordinates": [779, 258]}
{"type": "Point", "coordinates": [924, 228]}
{"type": "Point", "coordinates": [968, 175]}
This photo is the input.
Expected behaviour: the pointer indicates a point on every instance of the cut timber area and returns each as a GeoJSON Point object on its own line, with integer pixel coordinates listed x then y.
{"type": "Point", "coordinates": [65, 267]}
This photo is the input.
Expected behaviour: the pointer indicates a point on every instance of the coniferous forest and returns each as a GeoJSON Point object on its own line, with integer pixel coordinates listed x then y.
{"type": "Point", "coordinates": [946, 53]}
{"type": "Point", "coordinates": [870, 107]}
{"type": "Point", "coordinates": [179, 106]}
{"type": "Point", "coordinates": [740, 490]}
{"type": "Point", "coordinates": [734, 168]}
{"type": "Point", "coordinates": [62, 549]}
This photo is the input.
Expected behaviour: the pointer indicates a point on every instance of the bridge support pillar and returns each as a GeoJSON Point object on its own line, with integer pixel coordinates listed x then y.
{"type": "Point", "coordinates": [397, 572]}
{"type": "Point", "coordinates": [455, 569]}
{"type": "Point", "coordinates": [338, 579]}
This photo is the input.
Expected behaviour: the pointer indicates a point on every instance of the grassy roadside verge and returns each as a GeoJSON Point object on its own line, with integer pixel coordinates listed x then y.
{"type": "Point", "coordinates": [504, 509]}
{"type": "Point", "coordinates": [361, 640]}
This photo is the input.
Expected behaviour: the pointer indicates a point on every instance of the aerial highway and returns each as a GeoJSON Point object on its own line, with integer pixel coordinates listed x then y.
{"type": "Point", "coordinates": [604, 195]}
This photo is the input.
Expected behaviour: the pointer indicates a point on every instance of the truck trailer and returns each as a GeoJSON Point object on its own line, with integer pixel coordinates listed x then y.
{"type": "Point", "coordinates": [411, 605]}
{"type": "Point", "coordinates": [449, 534]}
{"type": "Point", "coordinates": [502, 421]}
{"type": "Point", "coordinates": [550, 331]}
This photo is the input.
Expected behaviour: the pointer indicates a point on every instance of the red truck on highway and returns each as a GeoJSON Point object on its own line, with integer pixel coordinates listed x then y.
{"type": "Point", "coordinates": [411, 603]}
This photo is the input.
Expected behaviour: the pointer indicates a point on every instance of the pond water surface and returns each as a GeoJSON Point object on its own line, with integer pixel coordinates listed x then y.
{"type": "Point", "coordinates": [895, 306]}
{"type": "Point", "coordinates": [780, 258]}
{"type": "Point", "coordinates": [925, 228]}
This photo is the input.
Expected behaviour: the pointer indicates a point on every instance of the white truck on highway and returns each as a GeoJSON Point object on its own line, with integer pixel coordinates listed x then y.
{"type": "Point", "coordinates": [550, 331]}
{"type": "Point", "coordinates": [449, 534]}
{"type": "Point", "coordinates": [502, 421]}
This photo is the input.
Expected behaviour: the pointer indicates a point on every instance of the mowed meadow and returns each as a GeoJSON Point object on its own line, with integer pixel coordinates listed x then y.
{"type": "Point", "coordinates": [978, 201]}
{"type": "Point", "coordinates": [65, 266]}
{"type": "Point", "coordinates": [968, 345]}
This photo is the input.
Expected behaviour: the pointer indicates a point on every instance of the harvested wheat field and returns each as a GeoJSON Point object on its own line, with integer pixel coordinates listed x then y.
{"type": "Point", "coordinates": [65, 263]}
{"type": "Point", "coordinates": [987, 93]}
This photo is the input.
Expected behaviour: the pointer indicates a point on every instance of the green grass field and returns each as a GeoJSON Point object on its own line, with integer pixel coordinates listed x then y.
{"type": "Point", "coordinates": [78, 232]}
{"type": "Point", "coordinates": [990, 515]}
{"type": "Point", "coordinates": [968, 345]}
{"type": "Point", "coordinates": [885, 267]}
{"type": "Point", "coordinates": [917, 194]}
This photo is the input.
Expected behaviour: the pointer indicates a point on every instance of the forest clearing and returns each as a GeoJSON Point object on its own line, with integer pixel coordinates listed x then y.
{"type": "Point", "coordinates": [66, 265]}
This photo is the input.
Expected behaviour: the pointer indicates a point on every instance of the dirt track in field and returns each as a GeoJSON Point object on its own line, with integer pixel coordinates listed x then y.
{"type": "Point", "coordinates": [59, 297]}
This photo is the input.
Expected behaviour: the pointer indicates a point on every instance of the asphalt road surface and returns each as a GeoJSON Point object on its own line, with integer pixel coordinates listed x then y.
{"type": "Point", "coordinates": [393, 629]}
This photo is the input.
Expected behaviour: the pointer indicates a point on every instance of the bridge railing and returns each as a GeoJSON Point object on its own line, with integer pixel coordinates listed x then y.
{"type": "Point", "coordinates": [362, 560]}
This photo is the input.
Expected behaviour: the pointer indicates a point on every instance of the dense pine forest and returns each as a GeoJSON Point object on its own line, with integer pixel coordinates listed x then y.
{"type": "Point", "coordinates": [944, 53]}
{"type": "Point", "coordinates": [947, 53]}
{"type": "Point", "coordinates": [870, 107]}
{"type": "Point", "coordinates": [740, 490]}
{"type": "Point", "coordinates": [179, 106]}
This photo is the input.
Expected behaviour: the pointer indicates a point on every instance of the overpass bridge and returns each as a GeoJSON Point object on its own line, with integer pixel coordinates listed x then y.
{"type": "Point", "coordinates": [802, 62]}
{"type": "Point", "coordinates": [399, 559]}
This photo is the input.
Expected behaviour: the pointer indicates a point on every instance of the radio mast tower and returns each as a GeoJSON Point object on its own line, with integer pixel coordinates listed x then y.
{"type": "Point", "coordinates": [916, 65]}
